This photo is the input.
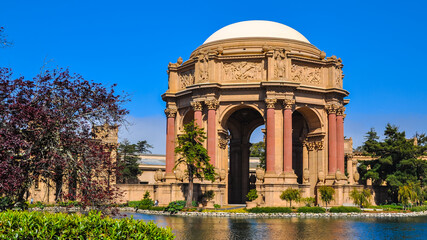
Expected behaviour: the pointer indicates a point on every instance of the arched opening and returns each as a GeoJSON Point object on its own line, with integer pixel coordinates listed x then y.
{"type": "Point", "coordinates": [300, 131]}
{"type": "Point", "coordinates": [240, 124]}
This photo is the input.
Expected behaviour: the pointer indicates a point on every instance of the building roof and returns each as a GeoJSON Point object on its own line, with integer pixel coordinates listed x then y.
{"type": "Point", "coordinates": [256, 29]}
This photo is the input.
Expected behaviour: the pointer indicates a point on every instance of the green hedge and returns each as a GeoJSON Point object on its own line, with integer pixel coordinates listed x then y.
{"type": "Point", "coordinates": [270, 210]}
{"type": "Point", "coordinates": [38, 225]}
{"type": "Point", "coordinates": [311, 210]}
{"type": "Point", "coordinates": [419, 209]}
{"type": "Point", "coordinates": [343, 209]}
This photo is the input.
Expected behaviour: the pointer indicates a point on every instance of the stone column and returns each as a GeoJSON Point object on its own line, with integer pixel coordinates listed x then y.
{"type": "Point", "coordinates": [212, 106]}
{"type": "Point", "coordinates": [287, 135]}
{"type": "Point", "coordinates": [320, 164]}
{"type": "Point", "coordinates": [170, 141]}
{"type": "Point", "coordinates": [305, 162]}
{"type": "Point", "coordinates": [340, 139]}
{"type": "Point", "coordinates": [197, 107]}
{"type": "Point", "coordinates": [350, 168]}
{"type": "Point", "coordinates": [332, 134]}
{"type": "Point", "coordinates": [270, 149]}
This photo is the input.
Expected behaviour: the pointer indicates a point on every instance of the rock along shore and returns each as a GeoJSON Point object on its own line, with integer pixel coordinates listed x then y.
{"type": "Point", "coordinates": [251, 215]}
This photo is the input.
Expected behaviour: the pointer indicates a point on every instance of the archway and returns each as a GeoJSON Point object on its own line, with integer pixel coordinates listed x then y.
{"type": "Point", "coordinates": [299, 134]}
{"type": "Point", "coordinates": [240, 125]}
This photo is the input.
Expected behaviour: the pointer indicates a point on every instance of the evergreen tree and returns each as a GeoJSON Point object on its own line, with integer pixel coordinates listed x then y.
{"type": "Point", "coordinates": [194, 157]}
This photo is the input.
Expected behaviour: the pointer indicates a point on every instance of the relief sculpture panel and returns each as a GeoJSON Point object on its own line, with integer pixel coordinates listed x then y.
{"type": "Point", "coordinates": [279, 64]}
{"type": "Point", "coordinates": [305, 74]}
{"type": "Point", "coordinates": [338, 77]}
{"type": "Point", "coordinates": [238, 71]}
{"type": "Point", "coordinates": [186, 78]}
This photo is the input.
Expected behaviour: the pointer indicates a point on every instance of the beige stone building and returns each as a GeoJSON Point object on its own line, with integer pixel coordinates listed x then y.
{"type": "Point", "coordinates": [253, 73]}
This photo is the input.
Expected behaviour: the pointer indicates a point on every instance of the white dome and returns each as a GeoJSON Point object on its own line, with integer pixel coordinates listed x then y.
{"type": "Point", "coordinates": [256, 28]}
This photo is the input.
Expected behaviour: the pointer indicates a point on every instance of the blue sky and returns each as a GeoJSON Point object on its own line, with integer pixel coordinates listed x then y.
{"type": "Point", "coordinates": [382, 44]}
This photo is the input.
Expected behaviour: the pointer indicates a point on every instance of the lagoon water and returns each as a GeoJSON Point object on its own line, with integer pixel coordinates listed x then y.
{"type": "Point", "coordinates": [290, 228]}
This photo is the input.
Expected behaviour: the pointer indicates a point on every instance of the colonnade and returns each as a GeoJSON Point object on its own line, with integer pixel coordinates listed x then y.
{"type": "Point", "coordinates": [335, 136]}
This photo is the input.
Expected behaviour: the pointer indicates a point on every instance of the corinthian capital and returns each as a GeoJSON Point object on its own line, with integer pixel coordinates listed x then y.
{"type": "Point", "coordinates": [170, 112]}
{"type": "Point", "coordinates": [212, 104]}
{"type": "Point", "coordinates": [331, 108]}
{"type": "Point", "coordinates": [197, 106]}
{"type": "Point", "coordinates": [288, 103]}
{"type": "Point", "coordinates": [270, 102]}
{"type": "Point", "coordinates": [340, 111]}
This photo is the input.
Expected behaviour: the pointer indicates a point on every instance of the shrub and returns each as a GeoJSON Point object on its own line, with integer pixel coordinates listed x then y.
{"type": "Point", "coordinates": [38, 225]}
{"type": "Point", "coordinates": [252, 195]}
{"type": "Point", "coordinates": [194, 203]}
{"type": "Point", "coordinates": [326, 194]}
{"type": "Point", "coordinates": [311, 210]}
{"type": "Point", "coordinates": [361, 198]}
{"type": "Point", "coordinates": [209, 195]}
{"type": "Point", "coordinates": [290, 195]}
{"type": "Point", "coordinates": [157, 208]}
{"type": "Point", "coordinates": [216, 206]}
{"type": "Point", "coordinates": [343, 209]}
{"type": "Point", "coordinates": [175, 206]}
{"type": "Point", "coordinates": [70, 204]}
{"type": "Point", "coordinates": [309, 201]}
{"type": "Point", "coordinates": [270, 210]}
{"type": "Point", "coordinates": [145, 203]}
{"type": "Point", "coordinates": [419, 209]}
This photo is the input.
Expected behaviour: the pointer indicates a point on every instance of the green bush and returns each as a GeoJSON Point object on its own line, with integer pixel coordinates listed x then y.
{"type": "Point", "coordinates": [216, 206]}
{"type": "Point", "coordinates": [209, 195]}
{"type": "Point", "coordinates": [38, 225]}
{"type": "Point", "coordinates": [157, 208]}
{"type": "Point", "coordinates": [391, 207]}
{"type": "Point", "coordinates": [175, 206]}
{"type": "Point", "coordinates": [70, 204]}
{"type": "Point", "coordinates": [419, 209]}
{"type": "Point", "coordinates": [194, 203]}
{"type": "Point", "coordinates": [343, 209]}
{"type": "Point", "coordinates": [309, 201]}
{"type": "Point", "coordinates": [311, 210]}
{"type": "Point", "coordinates": [145, 203]}
{"type": "Point", "coordinates": [270, 210]}
{"type": "Point", "coordinates": [252, 195]}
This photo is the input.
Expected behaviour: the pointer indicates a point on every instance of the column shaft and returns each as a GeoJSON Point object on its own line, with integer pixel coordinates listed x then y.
{"type": "Point", "coordinates": [332, 145]}
{"type": "Point", "coordinates": [287, 140]}
{"type": "Point", "coordinates": [270, 151]}
{"type": "Point", "coordinates": [198, 118]}
{"type": "Point", "coordinates": [212, 135]}
{"type": "Point", "coordinates": [340, 143]}
{"type": "Point", "coordinates": [170, 139]}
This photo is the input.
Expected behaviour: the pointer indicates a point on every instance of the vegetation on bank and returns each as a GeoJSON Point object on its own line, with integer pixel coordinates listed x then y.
{"type": "Point", "coordinates": [38, 225]}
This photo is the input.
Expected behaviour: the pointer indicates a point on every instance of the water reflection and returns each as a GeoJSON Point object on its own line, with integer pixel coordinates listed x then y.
{"type": "Point", "coordinates": [293, 228]}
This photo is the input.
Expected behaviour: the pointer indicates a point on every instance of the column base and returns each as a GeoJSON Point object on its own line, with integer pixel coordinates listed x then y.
{"type": "Point", "coordinates": [271, 177]}
{"type": "Point", "coordinates": [289, 177]}
{"type": "Point", "coordinates": [170, 178]}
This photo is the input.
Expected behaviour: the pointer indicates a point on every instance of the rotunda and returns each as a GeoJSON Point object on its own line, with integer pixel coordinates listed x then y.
{"type": "Point", "coordinates": [252, 73]}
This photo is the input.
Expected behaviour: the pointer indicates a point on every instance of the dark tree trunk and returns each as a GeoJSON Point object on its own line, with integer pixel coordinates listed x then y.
{"type": "Point", "coordinates": [190, 189]}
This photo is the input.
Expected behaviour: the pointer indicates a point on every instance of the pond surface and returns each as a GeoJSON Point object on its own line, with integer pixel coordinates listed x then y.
{"type": "Point", "coordinates": [290, 228]}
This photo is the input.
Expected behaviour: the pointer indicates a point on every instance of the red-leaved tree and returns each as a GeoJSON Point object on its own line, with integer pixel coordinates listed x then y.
{"type": "Point", "coordinates": [46, 132]}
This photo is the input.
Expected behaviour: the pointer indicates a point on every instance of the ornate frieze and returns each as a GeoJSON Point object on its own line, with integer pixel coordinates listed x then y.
{"type": "Point", "coordinates": [186, 78]}
{"type": "Point", "coordinates": [197, 106]}
{"type": "Point", "coordinates": [212, 104]}
{"type": "Point", "coordinates": [170, 112]}
{"type": "Point", "coordinates": [238, 71]}
{"type": "Point", "coordinates": [270, 102]}
{"type": "Point", "coordinates": [279, 64]}
{"type": "Point", "coordinates": [288, 103]}
{"type": "Point", "coordinates": [304, 74]}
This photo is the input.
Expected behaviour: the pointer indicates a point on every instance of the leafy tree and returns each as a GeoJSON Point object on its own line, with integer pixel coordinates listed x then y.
{"type": "Point", "coordinates": [252, 195]}
{"type": "Point", "coordinates": [361, 198]}
{"type": "Point", "coordinates": [3, 40]}
{"type": "Point", "coordinates": [47, 131]}
{"type": "Point", "coordinates": [194, 157]}
{"type": "Point", "coordinates": [326, 194]}
{"type": "Point", "coordinates": [406, 194]}
{"type": "Point", "coordinates": [127, 159]}
{"type": "Point", "coordinates": [397, 160]}
{"type": "Point", "coordinates": [290, 195]}
{"type": "Point", "coordinates": [258, 150]}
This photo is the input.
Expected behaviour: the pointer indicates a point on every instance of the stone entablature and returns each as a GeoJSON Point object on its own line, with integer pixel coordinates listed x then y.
{"type": "Point", "coordinates": [255, 61]}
